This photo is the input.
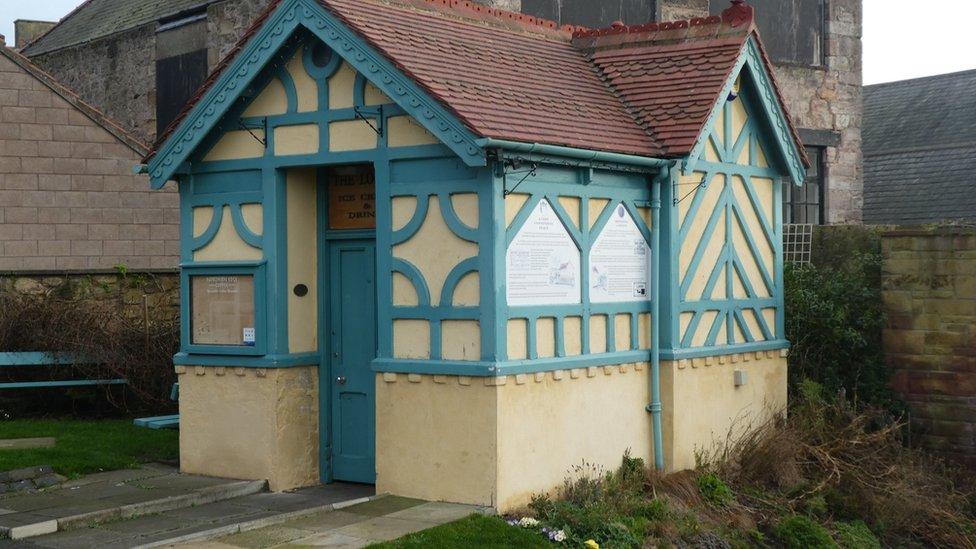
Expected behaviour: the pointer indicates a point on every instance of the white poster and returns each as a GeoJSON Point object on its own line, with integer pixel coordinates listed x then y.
{"type": "Point", "coordinates": [620, 261]}
{"type": "Point", "coordinates": [542, 265]}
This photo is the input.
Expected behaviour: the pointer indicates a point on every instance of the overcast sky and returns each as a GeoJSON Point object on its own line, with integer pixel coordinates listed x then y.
{"type": "Point", "coordinates": [901, 39]}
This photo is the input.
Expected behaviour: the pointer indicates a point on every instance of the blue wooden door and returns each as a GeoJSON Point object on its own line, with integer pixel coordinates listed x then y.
{"type": "Point", "coordinates": [352, 346]}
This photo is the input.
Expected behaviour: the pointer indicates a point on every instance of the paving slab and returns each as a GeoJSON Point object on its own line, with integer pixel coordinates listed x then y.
{"type": "Point", "coordinates": [382, 519]}
{"type": "Point", "coordinates": [113, 495]}
{"type": "Point", "coordinates": [434, 512]}
{"type": "Point", "coordinates": [201, 521]}
{"type": "Point", "coordinates": [27, 443]}
{"type": "Point", "coordinates": [382, 528]}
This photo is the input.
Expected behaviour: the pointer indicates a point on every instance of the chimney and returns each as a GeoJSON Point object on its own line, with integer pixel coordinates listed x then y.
{"type": "Point", "coordinates": [25, 31]}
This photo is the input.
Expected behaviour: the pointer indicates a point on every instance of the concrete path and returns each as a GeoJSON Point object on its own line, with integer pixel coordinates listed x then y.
{"type": "Point", "coordinates": [383, 519]}
{"type": "Point", "coordinates": [180, 524]}
{"type": "Point", "coordinates": [110, 496]}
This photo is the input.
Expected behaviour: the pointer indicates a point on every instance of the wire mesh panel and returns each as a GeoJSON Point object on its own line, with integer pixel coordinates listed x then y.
{"type": "Point", "coordinates": [797, 242]}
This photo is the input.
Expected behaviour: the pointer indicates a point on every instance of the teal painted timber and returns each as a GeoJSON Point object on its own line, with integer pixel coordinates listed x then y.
{"type": "Point", "coordinates": [64, 383]}
{"type": "Point", "coordinates": [777, 128]}
{"type": "Point", "coordinates": [287, 19]}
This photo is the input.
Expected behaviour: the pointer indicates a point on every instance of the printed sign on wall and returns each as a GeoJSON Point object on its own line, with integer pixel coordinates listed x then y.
{"type": "Point", "coordinates": [352, 197]}
{"type": "Point", "coordinates": [620, 261]}
{"type": "Point", "coordinates": [222, 309]}
{"type": "Point", "coordinates": [542, 266]}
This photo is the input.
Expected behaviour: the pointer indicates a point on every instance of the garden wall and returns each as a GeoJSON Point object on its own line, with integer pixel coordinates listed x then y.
{"type": "Point", "coordinates": [929, 293]}
{"type": "Point", "coordinates": [157, 291]}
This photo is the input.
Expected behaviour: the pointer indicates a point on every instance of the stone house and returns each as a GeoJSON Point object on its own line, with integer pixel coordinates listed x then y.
{"type": "Point", "coordinates": [69, 200]}
{"type": "Point", "coordinates": [156, 56]}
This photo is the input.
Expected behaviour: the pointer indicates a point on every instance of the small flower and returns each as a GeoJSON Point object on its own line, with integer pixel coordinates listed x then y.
{"type": "Point", "coordinates": [557, 535]}
{"type": "Point", "coordinates": [528, 522]}
{"type": "Point", "coordinates": [512, 522]}
{"type": "Point", "coordinates": [590, 544]}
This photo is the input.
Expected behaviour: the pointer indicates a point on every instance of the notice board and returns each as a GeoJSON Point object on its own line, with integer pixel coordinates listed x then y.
{"type": "Point", "coordinates": [222, 310]}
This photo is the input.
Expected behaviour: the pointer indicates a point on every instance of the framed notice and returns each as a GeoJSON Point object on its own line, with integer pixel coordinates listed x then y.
{"type": "Point", "coordinates": [542, 264]}
{"type": "Point", "coordinates": [620, 261]}
{"type": "Point", "coordinates": [225, 307]}
{"type": "Point", "coordinates": [352, 197]}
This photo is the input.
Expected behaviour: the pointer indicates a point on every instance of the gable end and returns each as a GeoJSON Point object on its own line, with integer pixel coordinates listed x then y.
{"type": "Point", "coordinates": [262, 48]}
{"type": "Point", "coordinates": [787, 145]}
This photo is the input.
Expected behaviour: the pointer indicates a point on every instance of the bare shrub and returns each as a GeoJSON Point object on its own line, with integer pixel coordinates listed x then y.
{"type": "Point", "coordinates": [857, 464]}
{"type": "Point", "coordinates": [105, 339]}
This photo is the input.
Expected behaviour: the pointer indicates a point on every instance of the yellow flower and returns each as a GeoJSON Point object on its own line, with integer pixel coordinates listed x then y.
{"type": "Point", "coordinates": [590, 544]}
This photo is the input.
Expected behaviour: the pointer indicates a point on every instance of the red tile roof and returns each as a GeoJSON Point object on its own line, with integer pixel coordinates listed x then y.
{"type": "Point", "coordinates": [644, 90]}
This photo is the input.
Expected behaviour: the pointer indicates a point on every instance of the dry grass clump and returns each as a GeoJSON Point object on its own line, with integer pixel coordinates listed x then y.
{"type": "Point", "coordinates": [834, 463]}
{"type": "Point", "coordinates": [115, 344]}
{"type": "Point", "coordinates": [827, 476]}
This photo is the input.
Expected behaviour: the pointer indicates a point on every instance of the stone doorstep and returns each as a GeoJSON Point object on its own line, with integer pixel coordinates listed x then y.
{"type": "Point", "coordinates": [255, 524]}
{"type": "Point", "coordinates": [201, 496]}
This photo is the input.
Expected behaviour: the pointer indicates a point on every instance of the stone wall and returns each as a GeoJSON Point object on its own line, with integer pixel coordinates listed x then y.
{"type": "Point", "coordinates": [827, 106]}
{"type": "Point", "coordinates": [116, 74]}
{"type": "Point", "coordinates": [929, 292]}
{"type": "Point", "coordinates": [226, 22]}
{"type": "Point", "coordinates": [825, 102]}
{"type": "Point", "coordinates": [133, 292]}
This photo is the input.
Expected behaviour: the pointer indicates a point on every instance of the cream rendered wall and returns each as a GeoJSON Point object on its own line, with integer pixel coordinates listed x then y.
{"type": "Point", "coordinates": [717, 183]}
{"type": "Point", "coordinates": [344, 135]}
{"type": "Point", "coordinates": [498, 441]}
{"type": "Point", "coordinates": [436, 437]}
{"type": "Point", "coordinates": [704, 410]}
{"type": "Point", "coordinates": [227, 245]}
{"type": "Point", "coordinates": [460, 340]}
{"type": "Point", "coordinates": [302, 231]}
{"type": "Point", "coordinates": [550, 422]}
{"type": "Point", "coordinates": [249, 423]}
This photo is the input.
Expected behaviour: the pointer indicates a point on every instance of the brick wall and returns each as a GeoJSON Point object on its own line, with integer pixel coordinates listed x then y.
{"type": "Point", "coordinates": [929, 292]}
{"type": "Point", "coordinates": [68, 197]}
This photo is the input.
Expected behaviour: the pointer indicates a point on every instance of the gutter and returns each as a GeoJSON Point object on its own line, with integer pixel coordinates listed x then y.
{"type": "Point", "coordinates": [582, 154]}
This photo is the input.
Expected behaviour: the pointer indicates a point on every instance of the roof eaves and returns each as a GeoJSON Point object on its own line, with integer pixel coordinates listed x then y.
{"type": "Point", "coordinates": [256, 48]}
{"type": "Point", "coordinates": [71, 97]}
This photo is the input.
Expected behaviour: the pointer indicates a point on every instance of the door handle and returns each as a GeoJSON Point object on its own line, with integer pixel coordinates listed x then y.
{"type": "Point", "coordinates": [341, 380]}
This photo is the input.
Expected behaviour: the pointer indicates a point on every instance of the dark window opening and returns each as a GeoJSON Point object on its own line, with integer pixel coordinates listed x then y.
{"type": "Point", "coordinates": [321, 55]}
{"type": "Point", "coordinates": [589, 13]}
{"type": "Point", "coordinates": [806, 204]}
{"type": "Point", "coordinates": [177, 78]}
{"type": "Point", "coordinates": [181, 64]}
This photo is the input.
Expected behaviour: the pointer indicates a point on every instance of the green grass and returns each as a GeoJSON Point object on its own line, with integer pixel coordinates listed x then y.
{"type": "Point", "coordinates": [87, 446]}
{"type": "Point", "coordinates": [473, 531]}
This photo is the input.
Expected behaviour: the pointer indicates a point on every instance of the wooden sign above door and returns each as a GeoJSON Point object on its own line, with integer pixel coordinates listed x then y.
{"type": "Point", "coordinates": [352, 197]}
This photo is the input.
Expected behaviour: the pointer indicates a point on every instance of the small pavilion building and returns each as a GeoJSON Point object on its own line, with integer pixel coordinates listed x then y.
{"type": "Point", "coordinates": [454, 251]}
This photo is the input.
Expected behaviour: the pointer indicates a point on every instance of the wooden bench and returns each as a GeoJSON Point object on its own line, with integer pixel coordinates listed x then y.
{"type": "Point", "coordinates": [48, 360]}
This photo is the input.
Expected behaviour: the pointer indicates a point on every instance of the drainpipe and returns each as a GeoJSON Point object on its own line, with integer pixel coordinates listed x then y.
{"type": "Point", "coordinates": [655, 406]}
